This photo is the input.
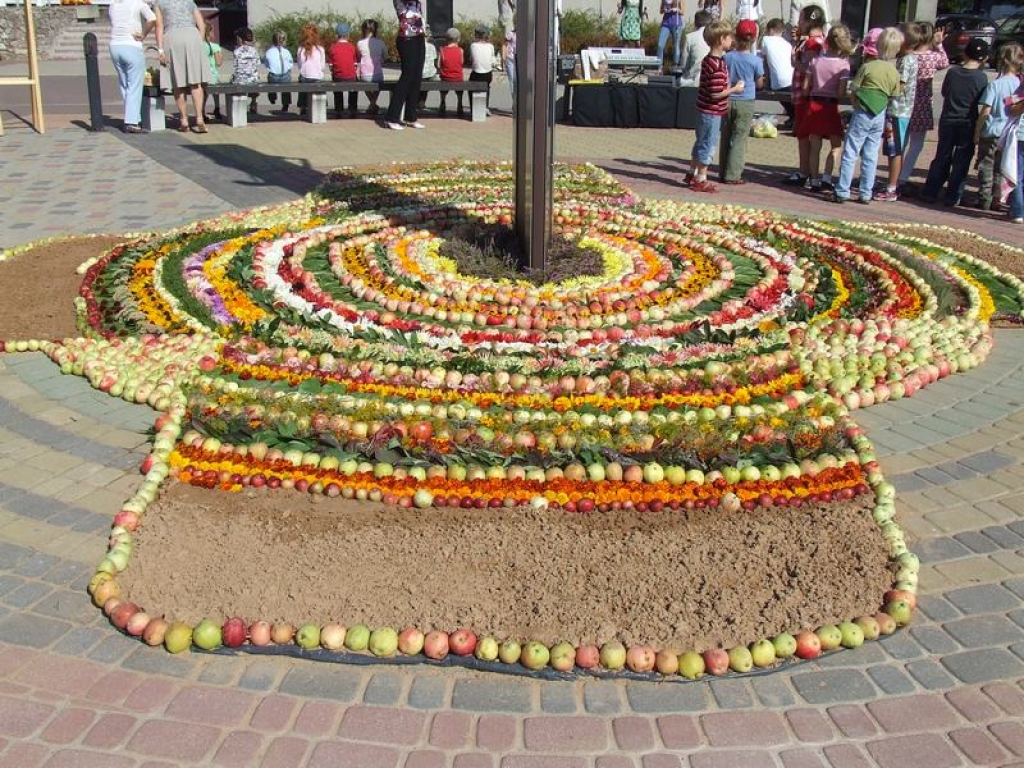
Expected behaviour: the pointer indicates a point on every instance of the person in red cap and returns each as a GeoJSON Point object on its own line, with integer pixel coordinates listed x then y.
{"type": "Point", "coordinates": [745, 67]}
{"type": "Point", "coordinates": [810, 43]}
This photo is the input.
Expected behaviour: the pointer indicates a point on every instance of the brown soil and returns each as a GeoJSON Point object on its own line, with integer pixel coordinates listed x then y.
{"type": "Point", "coordinates": [999, 256]}
{"type": "Point", "coordinates": [39, 288]}
{"type": "Point", "coordinates": [676, 580]}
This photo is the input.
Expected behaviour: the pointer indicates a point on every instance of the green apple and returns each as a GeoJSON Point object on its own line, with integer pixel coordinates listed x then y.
{"type": "Point", "coordinates": [691, 665]}
{"type": "Point", "coordinates": [178, 637]}
{"type": "Point", "coordinates": [852, 635]}
{"type": "Point", "coordinates": [487, 648]}
{"type": "Point", "coordinates": [830, 637]}
{"type": "Point", "coordinates": [740, 659]}
{"type": "Point", "coordinates": [357, 637]}
{"type": "Point", "coordinates": [900, 611]}
{"type": "Point", "coordinates": [308, 636]}
{"type": "Point", "coordinates": [563, 657]}
{"type": "Point", "coordinates": [653, 473]}
{"type": "Point", "coordinates": [509, 652]}
{"type": "Point", "coordinates": [763, 653]}
{"type": "Point", "coordinates": [613, 655]}
{"type": "Point", "coordinates": [383, 641]}
{"type": "Point", "coordinates": [207, 635]}
{"type": "Point", "coordinates": [785, 645]}
{"type": "Point", "coordinates": [869, 626]}
{"type": "Point", "coordinates": [535, 655]}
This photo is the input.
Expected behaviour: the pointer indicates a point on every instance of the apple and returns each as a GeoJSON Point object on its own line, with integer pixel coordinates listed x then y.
{"type": "Point", "coordinates": [282, 634]}
{"type": "Point", "coordinates": [613, 655]}
{"type": "Point", "coordinates": [308, 637]}
{"type": "Point", "coordinates": [588, 656]}
{"type": "Point", "coordinates": [332, 636]}
{"type": "Point", "coordinates": [640, 658]}
{"type": "Point", "coordinates": [155, 632]}
{"type": "Point", "coordinates": [410, 641]}
{"type": "Point", "coordinates": [716, 661]}
{"type": "Point", "coordinates": [234, 632]}
{"type": "Point", "coordinates": [869, 627]}
{"type": "Point", "coordinates": [358, 637]}
{"type": "Point", "coordinates": [487, 648]}
{"type": "Point", "coordinates": [137, 624]}
{"type": "Point", "coordinates": [808, 645]}
{"type": "Point", "coordinates": [435, 644]}
{"type": "Point", "coordinates": [383, 642]}
{"type": "Point", "coordinates": [206, 635]}
{"type": "Point", "coordinates": [830, 636]}
{"type": "Point", "coordinates": [178, 637]}
{"type": "Point", "coordinates": [509, 652]}
{"type": "Point", "coordinates": [852, 635]}
{"type": "Point", "coordinates": [653, 473]}
{"type": "Point", "coordinates": [535, 655]}
{"type": "Point", "coordinates": [900, 594]}
{"type": "Point", "coordinates": [104, 591]}
{"type": "Point", "coordinates": [785, 645]}
{"type": "Point", "coordinates": [666, 662]}
{"type": "Point", "coordinates": [462, 642]}
{"type": "Point", "coordinates": [260, 633]}
{"type": "Point", "coordinates": [763, 653]}
{"type": "Point", "coordinates": [886, 623]}
{"type": "Point", "coordinates": [740, 659]}
{"type": "Point", "coordinates": [119, 617]}
{"type": "Point", "coordinates": [691, 665]}
{"type": "Point", "coordinates": [563, 657]}
{"type": "Point", "coordinates": [900, 611]}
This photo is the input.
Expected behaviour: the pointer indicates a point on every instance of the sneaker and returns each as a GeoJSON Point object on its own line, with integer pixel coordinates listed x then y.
{"type": "Point", "coordinates": [886, 196]}
{"type": "Point", "coordinates": [795, 180]}
{"type": "Point", "coordinates": [827, 186]}
{"type": "Point", "coordinates": [1018, 220]}
{"type": "Point", "coordinates": [415, 124]}
{"type": "Point", "coordinates": [832, 197]}
{"type": "Point", "coordinates": [395, 126]}
{"type": "Point", "coordinates": [688, 179]}
{"type": "Point", "coordinates": [864, 200]}
{"type": "Point", "coordinates": [817, 187]}
{"type": "Point", "coordinates": [129, 128]}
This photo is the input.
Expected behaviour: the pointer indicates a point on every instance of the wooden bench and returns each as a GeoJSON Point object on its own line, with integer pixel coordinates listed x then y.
{"type": "Point", "coordinates": [237, 96]}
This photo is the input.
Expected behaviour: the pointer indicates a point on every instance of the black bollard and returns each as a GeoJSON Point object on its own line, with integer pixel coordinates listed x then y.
{"type": "Point", "coordinates": [92, 79]}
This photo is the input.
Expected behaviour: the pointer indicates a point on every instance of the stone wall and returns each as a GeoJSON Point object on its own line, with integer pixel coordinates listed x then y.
{"type": "Point", "coordinates": [49, 21]}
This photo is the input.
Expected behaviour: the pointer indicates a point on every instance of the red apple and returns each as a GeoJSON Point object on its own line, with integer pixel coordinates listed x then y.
{"type": "Point", "coordinates": [587, 656]}
{"type": "Point", "coordinates": [123, 612]}
{"type": "Point", "coordinates": [716, 661]}
{"type": "Point", "coordinates": [640, 658]}
{"type": "Point", "coordinates": [808, 645]}
{"type": "Point", "coordinates": [155, 631]}
{"type": "Point", "coordinates": [137, 624]}
{"type": "Point", "coordinates": [259, 633]}
{"type": "Point", "coordinates": [462, 642]}
{"type": "Point", "coordinates": [410, 641]}
{"type": "Point", "coordinates": [234, 632]}
{"type": "Point", "coordinates": [435, 644]}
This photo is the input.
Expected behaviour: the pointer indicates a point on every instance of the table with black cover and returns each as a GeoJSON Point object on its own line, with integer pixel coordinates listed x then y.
{"type": "Point", "coordinates": [633, 105]}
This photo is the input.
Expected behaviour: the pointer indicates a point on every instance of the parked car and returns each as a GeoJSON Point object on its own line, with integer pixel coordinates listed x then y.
{"type": "Point", "coordinates": [961, 28]}
{"type": "Point", "coordinates": [1010, 31]}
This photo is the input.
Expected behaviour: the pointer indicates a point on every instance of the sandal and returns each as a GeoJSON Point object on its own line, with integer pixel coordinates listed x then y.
{"type": "Point", "coordinates": [201, 128]}
{"type": "Point", "coordinates": [183, 127]}
{"type": "Point", "coordinates": [703, 186]}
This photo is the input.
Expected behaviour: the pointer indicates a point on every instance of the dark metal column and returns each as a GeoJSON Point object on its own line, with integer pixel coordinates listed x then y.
{"type": "Point", "coordinates": [535, 127]}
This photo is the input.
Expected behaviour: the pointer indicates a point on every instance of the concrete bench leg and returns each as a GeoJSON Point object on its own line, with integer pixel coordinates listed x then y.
{"type": "Point", "coordinates": [318, 107]}
{"type": "Point", "coordinates": [237, 111]}
{"type": "Point", "coordinates": [154, 118]}
{"type": "Point", "coordinates": [478, 102]}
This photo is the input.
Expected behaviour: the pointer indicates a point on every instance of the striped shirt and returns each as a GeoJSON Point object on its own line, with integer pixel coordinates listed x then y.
{"type": "Point", "coordinates": [714, 78]}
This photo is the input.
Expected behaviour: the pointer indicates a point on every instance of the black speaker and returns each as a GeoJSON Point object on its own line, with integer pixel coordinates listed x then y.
{"type": "Point", "coordinates": [440, 17]}
{"type": "Point", "coordinates": [855, 16]}
{"type": "Point", "coordinates": [565, 67]}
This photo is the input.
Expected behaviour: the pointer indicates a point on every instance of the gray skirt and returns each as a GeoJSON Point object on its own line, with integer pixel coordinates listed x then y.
{"type": "Point", "coordinates": [186, 57]}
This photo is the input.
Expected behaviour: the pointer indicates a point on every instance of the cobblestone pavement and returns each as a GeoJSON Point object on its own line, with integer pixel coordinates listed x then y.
{"type": "Point", "coordinates": [948, 691]}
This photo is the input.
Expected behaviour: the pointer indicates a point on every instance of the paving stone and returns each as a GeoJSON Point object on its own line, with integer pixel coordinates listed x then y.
{"type": "Point", "coordinates": [909, 713]}
{"type": "Point", "coordinates": [542, 761]}
{"type": "Point", "coordinates": [744, 729]}
{"type": "Point", "coordinates": [79, 758]}
{"type": "Point", "coordinates": [890, 679]}
{"type": "Point", "coordinates": [317, 719]}
{"type": "Point", "coordinates": [633, 734]}
{"type": "Point", "coordinates": [492, 695]}
{"type": "Point", "coordinates": [324, 681]}
{"type": "Point", "coordinates": [174, 740]}
{"type": "Point", "coordinates": [473, 760]}
{"type": "Point", "coordinates": [976, 542]}
{"type": "Point", "coordinates": [239, 748]}
{"type": "Point", "coordinates": [496, 733]}
{"type": "Point", "coordinates": [158, 662]}
{"type": "Point", "coordinates": [20, 718]}
{"type": "Point", "coordinates": [929, 674]}
{"type": "Point", "coordinates": [150, 695]}
{"type": "Point", "coordinates": [428, 692]}
{"type": "Point", "coordinates": [984, 665]}
{"type": "Point", "coordinates": [9, 582]}
{"type": "Point", "coordinates": [113, 647]}
{"type": "Point", "coordinates": [1015, 585]}
{"type": "Point", "coordinates": [602, 698]}
{"type": "Point", "coordinates": [383, 690]}
{"type": "Point", "coordinates": [985, 631]}
{"type": "Point", "coordinates": [833, 685]}
{"type": "Point", "coordinates": [846, 756]}
{"type": "Point", "coordinates": [67, 605]}
{"type": "Point", "coordinates": [273, 713]}
{"type": "Point", "coordinates": [78, 640]}
{"type": "Point", "coordinates": [559, 698]}
{"type": "Point", "coordinates": [1003, 537]}
{"type": "Point", "coordinates": [565, 734]}
{"type": "Point", "coordinates": [450, 730]}
{"type": "Point", "coordinates": [679, 731]}
{"type": "Point", "coordinates": [940, 550]}
{"type": "Point", "coordinates": [772, 691]}
{"type": "Point", "coordinates": [212, 706]}
{"type": "Point", "coordinates": [937, 608]}
{"type": "Point", "coordinates": [978, 746]}
{"type": "Point", "coordinates": [972, 704]}
{"type": "Point", "coordinates": [731, 758]}
{"type": "Point", "coordinates": [901, 646]}
{"type": "Point", "coordinates": [800, 758]}
{"type": "Point", "coordinates": [424, 759]}
{"type": "Point", "coordinates": [809, 724]}
{"type": "Point", "coordinates": [682, 697]}
{"type": "Point", "coordinates": [338, 754]}
{"type": "Point", "coordinates": [109, 731]}
{"type": "Point", "coordinates": [33, 631]}
{"type": "Point", "coordinates": [852, 720]}
{"type": "Point", "coordinates": [1010, 735]}
{"type": "Point", "coordinates": [225, 671]}
{"type": "Point", "coordinates": [656, 760]}
{"type": "Point", "coordinates": [285, 752]}
{"type": "Point", "coordinates": [920, 749]}
{"type": "Point", "coordinates": [614, 761]}
{"type": "Point", "coordinates": [382, 725]}
{"type": "Point", "coordinates": [1008, 696]}
{"type": "Point", "coordinates": [27, 594]}
{"type": "Point", "coordinates": [732, 694]}
{"type": "Point", "coordinates": [983, 598]}
{"type": "Point", "coordinates": [260, 675]}
{"type": "Point", "coordinates": [934, 639]}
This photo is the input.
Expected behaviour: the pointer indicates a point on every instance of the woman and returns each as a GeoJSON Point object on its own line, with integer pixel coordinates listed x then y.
{"type": "Point", "coordinates": [671, 24]}
{"type": "Point", "coordinates": [630, 26]}
{"type": "Point", "coordinates": [130, 22]}
{"type": "Point", "coordinates": [714, 7]}
{"type": "Point", "coordinates": [412, 50]}
{"type": "Point", "coordinates": [179, 41]}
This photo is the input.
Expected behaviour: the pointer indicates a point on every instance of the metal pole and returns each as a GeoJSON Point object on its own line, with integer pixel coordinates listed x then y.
{"type": "Point", "coordinates": [92, 78]}
{"type": "Point", "coordinates": [535, 128]}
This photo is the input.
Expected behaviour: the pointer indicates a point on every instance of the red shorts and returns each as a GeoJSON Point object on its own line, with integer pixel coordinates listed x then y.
{"type": "Point", "coordinates": [821, 118]}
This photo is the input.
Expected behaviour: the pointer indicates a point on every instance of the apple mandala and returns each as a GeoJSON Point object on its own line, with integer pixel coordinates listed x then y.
{"type": "Point", "coordinates": [708, 361]}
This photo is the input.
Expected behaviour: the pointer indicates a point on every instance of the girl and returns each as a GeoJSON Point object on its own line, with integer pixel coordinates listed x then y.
{"type": "Point", "coordinates": [671, 24]}
{"type": "Point", "coordinates": [481, 60]}
{"type": "Point", "coordinates": [931, 57]}
{"type": "Point", "coordinates": [311, 61]}
{"type": "Point", "coordinates": [828, 77]}
{"type": "Point", "coordinates": [629, 27]}
{"type": "Point", "coordinates": [371, 61]}
{"type": "Point", "coordinates": [216, 59]}
{"type": "Point", "coordinates": [279, 62]}
{"type": "Point", "coordinates": [810, 42]}
{"type": "Point", "coordinates": [450, 65]}
{"type": "Point", "coordinates": [412, 50]}
{"type": "Point", "coordinates": [341, 57]}
{"type": "Point", "coordinates": [714, 7]}
{"type": "Point", "coordinates": [247, 64]}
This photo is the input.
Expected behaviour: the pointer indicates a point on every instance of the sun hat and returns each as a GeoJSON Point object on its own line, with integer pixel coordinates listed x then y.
{"type": "Point", "coordinates": [870, 43]}
{"type": "Point", "coordinates": [747, 30]}
{"type": "Point", "coordinates": [342, 29]}
{"type": "Point", "coordinates": [977, 49]}
{"type": "Point", "coordinates": [453, 34]}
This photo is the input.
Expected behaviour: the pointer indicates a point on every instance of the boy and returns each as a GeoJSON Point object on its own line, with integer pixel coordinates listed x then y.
{"type": "Point", "coordinates": [746, 67]}
{"type": "Point", "coordinates": [875, 83]}
{"type": "Point", "coordinates": [961, 90]}
{"type": "Point", "coordinates": [695, 49]}
{"type": "Point", "coordinates": [712, 103]}
{"type": "Point", "coordinates": [992, 117]}
{"type": "Point", "coordinates": [777, 53]}
{"type": "Point", "coordinates": [247, 64]}
{"type": "Point", "coordinates": [901, 108]}
{"type": "Point", "coordinates": [341, 58]}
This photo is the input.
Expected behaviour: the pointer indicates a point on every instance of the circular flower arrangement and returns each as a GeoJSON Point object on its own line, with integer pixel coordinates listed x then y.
{"type": "Point", "coordinates": [710, 361]}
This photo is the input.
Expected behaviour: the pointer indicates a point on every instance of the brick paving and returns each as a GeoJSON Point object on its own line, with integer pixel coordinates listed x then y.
{"type": "Point", "coordinates": [948, 692]}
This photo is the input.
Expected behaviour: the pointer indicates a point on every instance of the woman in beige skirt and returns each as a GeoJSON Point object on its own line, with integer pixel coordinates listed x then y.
{"type": "Point", "coordinates": [179, 39]}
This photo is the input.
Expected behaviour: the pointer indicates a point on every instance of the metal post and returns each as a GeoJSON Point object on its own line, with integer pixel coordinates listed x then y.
{"type": "Point", "coordinates": [535, 127]}
{"type": "Point", "coordinates": [92, 79]}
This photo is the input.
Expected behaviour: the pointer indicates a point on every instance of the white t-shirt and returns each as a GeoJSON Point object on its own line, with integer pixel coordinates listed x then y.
{"type": "Point", "coordinates": [748, 9]}
{"type": "Point", "coordinates": [778, 61]}
{"type": "Point", "coordinates": [126, 21]}
{"type": "Point", "coordinates": [481, 56]}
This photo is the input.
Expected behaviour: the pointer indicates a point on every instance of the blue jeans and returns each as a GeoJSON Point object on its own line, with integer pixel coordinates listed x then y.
{"type": "Point", "coordinates": [863, 138]}
{"type": "Point", "coordinates": [952, 162]}
{"type": "Point", "coordinates": [677, 36]}
{"type": "Point", "coordinates": [1017, 196]}
{"type": "Point", "coordinates": [130, 63]}
{"type": "Point", "coordinates": [709, 127]}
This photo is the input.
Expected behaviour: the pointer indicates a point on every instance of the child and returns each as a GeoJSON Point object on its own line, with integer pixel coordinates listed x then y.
{"type": "Point", "coordinates": [1012, 142]}
{"type": "Point", "coordinates": [777, 53]}
{"type": "Point", "coordinates": [279, 62]}
{"type": "Point", "coordinates": [828, 77]}
{"type": "Point", "coordinates": [371, 60]}
{"type": "Point", "coordinates": [450, 64]}
{"type": "Point", "coordinates": [341, 57]}
{"type": "Point", "coordinates": [746, 67]}
{"type": "Point", "coordinates": [901, 108]}
{"type": "Point", "coordinates": [213, 51]}
{"type": "Point", "coordinates": [931, 57]}
{"type": "Point", "coordinates": [875, 83]}
{"type": "Point", "coordinates": [247, 64]}
{"type": "Point", "coordinates": [811, 42]}
{"type": "Point", "coordinates": [695, 48]}
{"type": "Point", "coordinates": [712, 103]}
{"type": "Point", "coordinates": [713, 9]}
{"type": "Point", "coordinates": [508, 56]}
{"type": "Point", "coordinates": [992, 119]}
{"type": "Point", "coordinates": [429, 69]}
{"type": "Point", "coordinates": [672, 24]}
{"type": "Point", "coordinates": [961, 90]}
{"type": "Point", "coordinates": [481, 60]}
{"type": "Point", "coordinates": [311, 61]}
